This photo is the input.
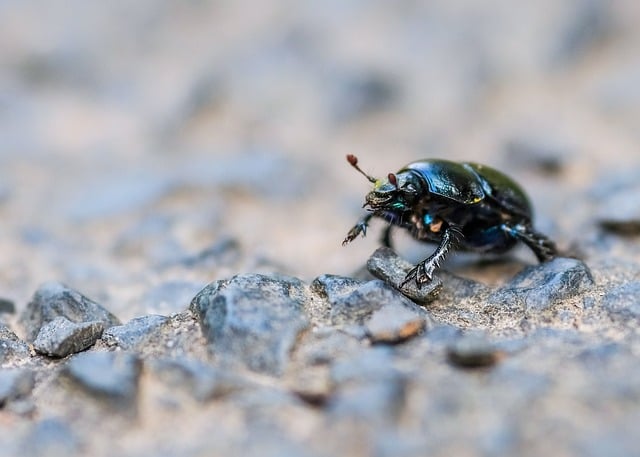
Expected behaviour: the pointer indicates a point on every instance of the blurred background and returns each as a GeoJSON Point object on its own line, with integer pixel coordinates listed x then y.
{"type": "Point", "coordinates": [150, 147]}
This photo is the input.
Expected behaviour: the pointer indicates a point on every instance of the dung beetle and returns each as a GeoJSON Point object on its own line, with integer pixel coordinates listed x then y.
{"type": "Point", "coordinates": [463, 205]}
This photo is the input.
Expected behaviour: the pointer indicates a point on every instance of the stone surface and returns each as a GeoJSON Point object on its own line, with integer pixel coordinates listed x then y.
{"type": "Point", "coordinates": [53, 300]}
{"type": "Point", "coordinates": [473, 351]}
{"type": "Point", "coordinates": [111, 376]}
{"type": "Point", "coordinates": [254, 319]}
{"type": "Point", "coordinates": [7, 306]}
{"type": "Point", "coordinates": [134, 333]}
{"type": "Point", "coordinates": [61, 337]}
{"type": "Point", "coordinates": [385, 264]}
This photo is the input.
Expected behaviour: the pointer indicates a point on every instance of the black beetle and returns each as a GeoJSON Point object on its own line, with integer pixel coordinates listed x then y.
{"type": "Point", "coordinates": [465, 205]}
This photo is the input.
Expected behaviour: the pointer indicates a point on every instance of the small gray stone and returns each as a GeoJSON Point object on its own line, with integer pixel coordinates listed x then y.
{"type": "Point", "coordinates": [329, 288]}
{"type": "Point", "coordinates": [11, 346]}
{"type": "Point", "coordinates": [134, 332]}
{"type": "Point", "coordinates": [357, 306]}
{"type": "Point", "coordinates": [394, 323]}
{"type": "Point", "coordinates": [53, 299]}
{"type": "Point", "coordinates": [385, 264]}
{"type": "Point", "coordinates": [473, 351]}
{"type": "Point", "coordinates": [61, 337]}
{"type": "Point", "coordinates": [15, 383]}
{"type": "Point", "coordinates": [542, 285]}
{"type": "Point", "coordinates": [254, 319]}
{"type": "Point", "coordinates": [203, 382]}
{"type": "Point", "coordinates": [619, 212]}
{"type": "Point", "coordinates": [111, 375]}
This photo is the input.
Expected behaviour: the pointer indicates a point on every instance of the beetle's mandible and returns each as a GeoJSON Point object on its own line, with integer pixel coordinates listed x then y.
{"type": "Point", "coordinates": [464, 206]}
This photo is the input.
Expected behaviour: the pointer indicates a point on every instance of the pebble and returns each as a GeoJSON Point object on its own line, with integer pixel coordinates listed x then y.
{"type": "Point", "coordinates": [394, 323]}
{"type": "Point", "coordinates": [53, 300]}
{"type": "Point", "coordinates": [253, 319]}
{"type": "Point", "coordinates": [110, 375]}
{"type": "Point", "coordinates": [386, 265]}
{"type": "Point", "coordinates": [135, 332]}
{"type": "Point", "coordinates": [357, 306]}
{"type": "Point", "coordinates": [540, 286]}
{"type": "Point", "coordinates": [473, 351]}
{"type": "Point", "coordinates": [61, 337]}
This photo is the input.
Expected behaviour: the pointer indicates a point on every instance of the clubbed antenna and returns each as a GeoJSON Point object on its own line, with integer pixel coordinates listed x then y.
{"type": "Point", "coordinates": [353, 161]}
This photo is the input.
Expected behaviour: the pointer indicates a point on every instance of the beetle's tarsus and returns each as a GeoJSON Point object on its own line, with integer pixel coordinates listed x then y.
{"type": "Point", "coordinates": [360, 227]}
{"type": "Point", "coordinates": [423, 272]}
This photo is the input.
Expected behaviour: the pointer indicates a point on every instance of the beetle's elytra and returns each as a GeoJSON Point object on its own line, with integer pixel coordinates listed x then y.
{"type": "Point", "coordinates": [463, 205]}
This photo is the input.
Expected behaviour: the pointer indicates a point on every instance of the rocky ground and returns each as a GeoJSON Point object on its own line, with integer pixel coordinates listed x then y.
{"type": "Point", "coordinates": [174, 192]}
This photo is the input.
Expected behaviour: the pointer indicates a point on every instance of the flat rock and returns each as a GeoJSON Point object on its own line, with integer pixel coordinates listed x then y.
{"type": "Point", "coordinates": [542, 285]}
{"type": "Point", "coordinates": [133, 333]}
{"type": "Point", "coordinates": [61, 337]}
{"type": "Point", "coordinates": [394, 323]}
{"type": "Point", "coordinates": [108, 375]}
{"type": "Point", "coordinates": [53, 300]}
{"type": "Point", "coordinates": [254, 319]}
{"type": "Point", "coordinates": [385, 264]}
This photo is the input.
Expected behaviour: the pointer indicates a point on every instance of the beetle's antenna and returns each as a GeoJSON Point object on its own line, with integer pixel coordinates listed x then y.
{"type": "Point", "coordinates": [353, 161]}
{"type": "Point", "coordinates": [393, 180]}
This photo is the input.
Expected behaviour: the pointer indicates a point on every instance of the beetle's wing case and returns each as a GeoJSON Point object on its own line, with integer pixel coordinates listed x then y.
{"type": "Point", "coordinates": [449, 179]}
{"type": "Point", "coordinates": [502, 190]}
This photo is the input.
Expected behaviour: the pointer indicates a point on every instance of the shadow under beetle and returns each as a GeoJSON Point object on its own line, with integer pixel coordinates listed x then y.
{"type": "Point", "coordinates": [457, 205]}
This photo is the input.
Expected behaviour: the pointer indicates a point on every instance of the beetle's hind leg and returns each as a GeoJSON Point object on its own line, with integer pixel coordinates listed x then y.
{"type": "Point", "coordinates": [540, 244]}
{"type": "Point", "coordinates": [423, 272]}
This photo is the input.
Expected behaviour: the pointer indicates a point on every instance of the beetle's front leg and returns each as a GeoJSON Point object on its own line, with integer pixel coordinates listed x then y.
{"type": "Point", "coordinates": [423, 272]}
{"type": "Point", "coordinates": [360, 227]}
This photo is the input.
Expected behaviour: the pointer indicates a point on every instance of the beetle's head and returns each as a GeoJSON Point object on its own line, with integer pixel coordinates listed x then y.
{"type": "Point", "coordinates": [395, 193]}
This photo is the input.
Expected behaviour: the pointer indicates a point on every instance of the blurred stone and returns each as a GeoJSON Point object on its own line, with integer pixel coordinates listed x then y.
{"type": "Point", "coordinates": [223, 252]}
{"type": "Point", "coordinates": [539, 151]}
{"type": "Point", "coordinates": [539, 286]}
{"type": "Point", "coordinates": [203, 382]}
{"type": "Point", "coordinates": [473, 351]}
{"type": "Point", "coordinates": [135, 332]}
{"type": "Point", "coordinates": [619, 210]}
{"type": "Point", "coordinates": [359, 95]}
{"type": "Point", "coordinates": [7, 306]}
{"type": "Point", "coordinates": [111, 376]}
{"type": "Point", "coordinates": [53, 300]}
{"type": "Point", "coordinates": [61, 337]}
{"type": "Point", "coordinates": [394, 323]}
{"type": "Point", "coordinates": [385, 264]}
{"type": "Point", "coordinates": [51, 437]}
{"type": "Point", "coordinates": [254, 319]}
{"type": "Point", "coordinates": [312, 384]}
{"type": "Point", "coordinates": [15, 383]}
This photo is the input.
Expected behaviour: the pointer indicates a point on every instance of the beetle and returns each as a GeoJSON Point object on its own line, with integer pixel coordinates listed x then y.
{"type": "Point", "coordinates": [461, 205]}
